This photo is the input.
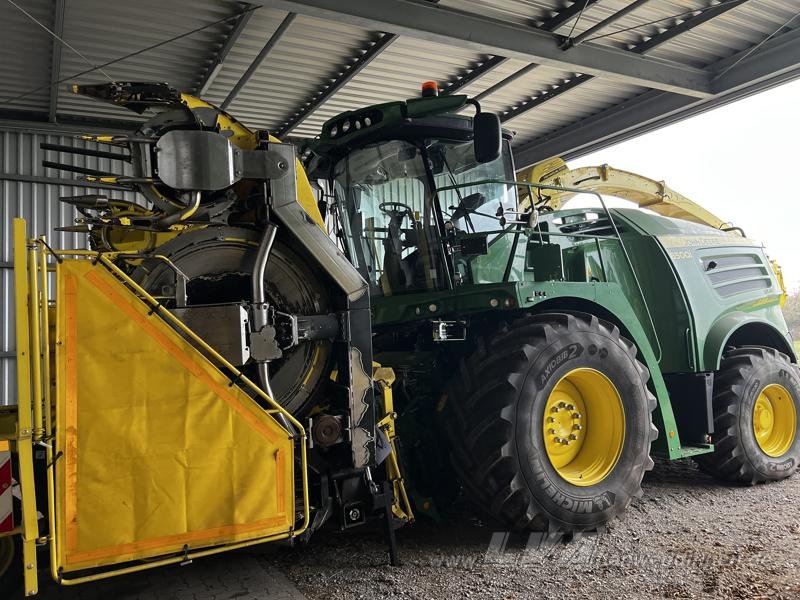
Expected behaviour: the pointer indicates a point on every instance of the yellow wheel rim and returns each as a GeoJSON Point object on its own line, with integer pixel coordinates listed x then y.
{"type": "Point", "coordinates": [774, 420]}
{"type": "Point", "coordinates": [6, 554]}
{"type": "Point", "coordinates": [584, 427]}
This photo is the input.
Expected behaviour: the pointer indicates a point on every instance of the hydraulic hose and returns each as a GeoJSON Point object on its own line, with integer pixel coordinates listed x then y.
{"type": "Point", "coordinates": [260, 304]}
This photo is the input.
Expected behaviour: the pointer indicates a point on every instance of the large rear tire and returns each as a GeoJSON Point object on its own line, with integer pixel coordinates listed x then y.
{"type": "Point", "coordinates": [756, 418]}
{"type": "Point", "coordinates": [550, 423]}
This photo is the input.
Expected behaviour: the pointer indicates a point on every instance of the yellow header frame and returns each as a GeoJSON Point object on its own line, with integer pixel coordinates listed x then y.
{"type": "Point", "coordinates": [34, 420]}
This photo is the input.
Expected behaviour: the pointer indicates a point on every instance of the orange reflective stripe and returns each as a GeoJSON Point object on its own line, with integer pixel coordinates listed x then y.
{"type": "Point", "coordinates": [279, 476]}
{"type": "Point", "coordinates": [179, 539]}
{"type": "Point", "coordinates": [173, 542]}
{"type": "Point", "coordinates": [71, 408]}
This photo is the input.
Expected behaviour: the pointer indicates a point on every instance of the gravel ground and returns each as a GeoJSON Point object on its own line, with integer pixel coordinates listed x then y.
{"type": "Point", "coordinates": [688, 537]}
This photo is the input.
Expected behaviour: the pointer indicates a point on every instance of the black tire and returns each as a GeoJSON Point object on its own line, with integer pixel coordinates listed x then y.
{"type": "Point", "coordinates": [738, 458]}
{"type": "Point", "coordinates": [496, 404]}
{"type": "Point", "coordinates": [11, 567]}
{"type": "Point", "coordinates": [226, 256]}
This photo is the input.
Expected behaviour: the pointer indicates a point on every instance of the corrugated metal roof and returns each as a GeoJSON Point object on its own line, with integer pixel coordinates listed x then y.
{"type": "Point", "coordinates": [396, 74]}
{"type": "Point", "coordinates": [579, 103]}
{"type": "Point", "coordinates": [26, 51]}
{"type": "Point", "coordinates": [314, 52]}
{"type": "Point", "coordinates": [103, 31]}
{"type": "Point", "coordinates": [735, 30]}
{"type": "Point", "coordinates": [311, 52]}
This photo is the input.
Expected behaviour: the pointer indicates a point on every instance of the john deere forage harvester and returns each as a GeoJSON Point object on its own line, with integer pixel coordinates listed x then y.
{"type": "Point", "coordinates": [247, 356]}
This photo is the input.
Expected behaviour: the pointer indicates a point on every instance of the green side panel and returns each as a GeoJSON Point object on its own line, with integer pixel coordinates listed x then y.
{"type": "Point", "coordinates": [508, 298]}
{"type": "Point", "coordinates": [491, 267]}
{"type": "Point", "coordinates": [726, 282]}
{"type": "Point", "coordinates": [666, 304]}
{"type": "Point", "coordinates": [444, 304]}
{"type": "Point", "coordinates": [612, 297]}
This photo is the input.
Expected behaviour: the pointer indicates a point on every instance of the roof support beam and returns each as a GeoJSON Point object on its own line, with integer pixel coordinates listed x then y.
{"type": "Point", "coordinates": [776, 62]}
{"type": "Point", "coordinates": [271, 42]}
{"type": "Point", "coordinates": [37, 122]}
{"type": "Point", "coordinates": [473, 32]}
{"type": "Point", "coordinates": [604, 128]}
{"type": "Point", "coordinates": [566, 15]}
{"type": "Point", "coordinates": [578, 39]}
{"type": "Point", "coordinates": [550, 24]}
{"type": "Point", "coordinates": [55, 60]}
{"type": "Point", "coordinates": [686, 25]}
{"type": "Point", "coordinates": [773, 58]}
{"type": "Point", "coordinates": [507, 81]}
{"type": "Point", "coordinates": [545, 96]}
{"type": "Point", "coordinates": [338, 82]}
{"type": "Point", "coordinates": [642, 48]}
{"type": "Point", "coordinates": [474, 74]}
{"type": "Point", "coordinates": [230, 41]}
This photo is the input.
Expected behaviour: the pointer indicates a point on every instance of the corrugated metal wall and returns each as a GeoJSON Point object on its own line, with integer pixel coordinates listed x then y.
{"type": "Point", "coordinates": [30, 191]}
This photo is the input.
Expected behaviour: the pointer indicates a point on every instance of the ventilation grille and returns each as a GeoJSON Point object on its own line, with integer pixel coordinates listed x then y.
{"type": "Point", "coordinates": [732, 274]}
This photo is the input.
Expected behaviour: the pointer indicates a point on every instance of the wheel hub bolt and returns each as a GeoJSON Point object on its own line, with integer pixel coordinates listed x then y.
{"type": "Point", "coordinates": [562, 405]}
{"type": "Point", "coordinates": [577, 427]}
{"type": "Point", "coordinates": [570, 407]}
{"type": "Point", "coordinates": [551, 431]}
{"type": "Point", "coordinates": [572, 436]}
{"type": "Point", "coordinates": [576, 415]}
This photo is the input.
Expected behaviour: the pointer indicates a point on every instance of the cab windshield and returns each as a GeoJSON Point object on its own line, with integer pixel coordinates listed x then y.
{"type": "Point", "coordinates": [393, 219]}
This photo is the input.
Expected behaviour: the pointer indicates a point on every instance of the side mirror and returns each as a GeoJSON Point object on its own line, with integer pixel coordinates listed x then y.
{"type": "Point", "coordinates": [486, 137]}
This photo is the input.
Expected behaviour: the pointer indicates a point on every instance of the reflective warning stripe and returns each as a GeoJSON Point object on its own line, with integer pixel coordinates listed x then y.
{"type": "Point", "coordinates": [6, 506]}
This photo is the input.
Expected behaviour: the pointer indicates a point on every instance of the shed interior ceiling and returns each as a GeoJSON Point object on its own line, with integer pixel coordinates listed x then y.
{"type": "Point", "coordinates": [320, 64]}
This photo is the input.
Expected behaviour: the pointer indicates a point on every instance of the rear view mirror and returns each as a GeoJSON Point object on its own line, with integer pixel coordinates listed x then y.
{"type": "Point", "coordinates": [486, 136]}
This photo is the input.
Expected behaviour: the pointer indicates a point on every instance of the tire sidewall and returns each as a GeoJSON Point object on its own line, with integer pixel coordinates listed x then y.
{"type": "Point", "coordinates": [764, 373]}
{"type": "Point", "coordinates": [583, 505]}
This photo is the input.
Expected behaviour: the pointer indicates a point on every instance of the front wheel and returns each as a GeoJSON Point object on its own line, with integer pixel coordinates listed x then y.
{"type": "Point", "coordinates": [756, 411]}
{"type": "Point", "coordinates": [551, 424]}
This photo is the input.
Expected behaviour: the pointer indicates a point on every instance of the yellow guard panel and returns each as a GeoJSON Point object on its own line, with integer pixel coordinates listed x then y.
{"type": "Point", "coordinates": [157, 450]}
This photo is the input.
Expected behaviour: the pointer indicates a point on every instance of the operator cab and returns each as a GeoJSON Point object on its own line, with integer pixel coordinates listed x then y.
{"type": "Point", "coordinates": [392, 170]}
